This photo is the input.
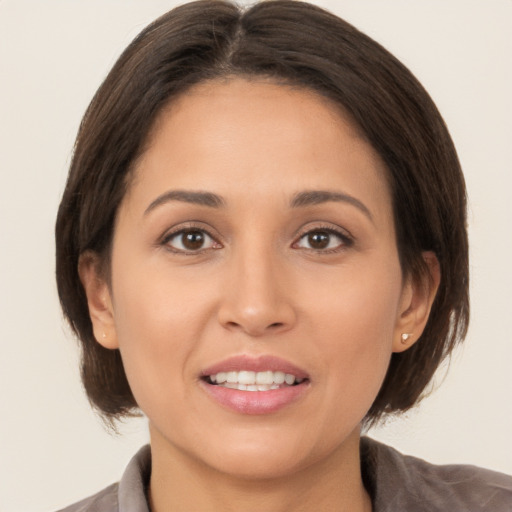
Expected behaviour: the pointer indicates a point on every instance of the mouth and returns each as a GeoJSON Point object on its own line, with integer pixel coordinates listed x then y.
{"type": "Point", "coordinates": [255, 385]}
{"type": "Point", "coordinates": [247, 380]}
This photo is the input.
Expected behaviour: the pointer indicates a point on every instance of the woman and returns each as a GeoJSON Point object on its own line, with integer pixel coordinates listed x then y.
{"type": "Point", "coordinates": [262, 246]}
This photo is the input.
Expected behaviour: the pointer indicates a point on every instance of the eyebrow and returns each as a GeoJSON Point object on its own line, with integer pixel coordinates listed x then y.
{"type": "Point", "coordinates": [314, 197]}
{"type": "Point", "coordinates": [187, 196]}
{"type": "Point", "coordinates": [299, 200]}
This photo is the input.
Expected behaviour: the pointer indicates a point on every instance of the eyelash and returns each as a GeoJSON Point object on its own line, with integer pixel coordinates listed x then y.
{"type": "Point", "coordinates": [191, 228]}
{"type": "Point", "coordinates": [346, 241]}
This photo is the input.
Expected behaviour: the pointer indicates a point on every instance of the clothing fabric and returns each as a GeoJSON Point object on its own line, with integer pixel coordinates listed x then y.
{"type": "Point", "coordinates": [396, 482]}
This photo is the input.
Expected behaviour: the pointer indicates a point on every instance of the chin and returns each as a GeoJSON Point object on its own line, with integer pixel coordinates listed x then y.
{"type": "Point", "coordinates": [261, 464]}
{"type": "Point", "coordinates": [268, 455]}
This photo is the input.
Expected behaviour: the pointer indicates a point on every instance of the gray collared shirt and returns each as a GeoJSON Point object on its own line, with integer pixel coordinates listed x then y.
{"type": "Point", "coordinates": [396, 482]}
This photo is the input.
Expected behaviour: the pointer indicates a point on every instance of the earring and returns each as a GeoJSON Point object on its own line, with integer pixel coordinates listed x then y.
{"type": "Point", "coordinates": [405, 336]}
{"type": "Point", "coordinates": [103, 335]}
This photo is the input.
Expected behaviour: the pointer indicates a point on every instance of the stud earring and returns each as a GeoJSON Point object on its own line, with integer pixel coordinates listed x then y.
{"type": "Point", "coordinates": [104, 335]}
{"type": "Point", "coordinates": [405, 336]}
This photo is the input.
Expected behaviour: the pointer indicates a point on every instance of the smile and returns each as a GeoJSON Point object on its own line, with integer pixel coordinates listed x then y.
{"type": "Point", "coordinates": [246, 380]}
{"type": "Point", "coordinates": [255, 385]}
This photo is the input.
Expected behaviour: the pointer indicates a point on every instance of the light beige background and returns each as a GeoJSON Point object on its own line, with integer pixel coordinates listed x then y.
{"type": "Point", "coordinates": [53, 56]}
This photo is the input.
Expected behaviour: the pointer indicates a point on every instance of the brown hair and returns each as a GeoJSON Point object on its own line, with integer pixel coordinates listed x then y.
{"type": "Point", "coordinates": [301, 44]}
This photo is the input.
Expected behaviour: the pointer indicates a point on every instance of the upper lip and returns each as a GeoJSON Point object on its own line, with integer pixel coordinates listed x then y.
{"type": "Point", "coordinates": [255, 364]}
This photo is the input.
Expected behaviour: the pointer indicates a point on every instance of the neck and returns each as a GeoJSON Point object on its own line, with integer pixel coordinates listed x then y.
{"type": "Point", "coordinates": [181, 483]}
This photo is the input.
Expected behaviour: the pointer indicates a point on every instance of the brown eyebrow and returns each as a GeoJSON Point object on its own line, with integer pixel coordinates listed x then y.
{"type": "Point", "coordinates": [301, 199]}
{"type": "Point", "coordinates": [187, 196]}
{"type": "Point", "coordinates": [314, 197]}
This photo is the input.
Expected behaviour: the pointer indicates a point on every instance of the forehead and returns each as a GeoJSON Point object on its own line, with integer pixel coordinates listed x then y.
{"type": "Point", "coordinates": [232, 108]}
{"type": "Point", "coordinates": [253, 133]}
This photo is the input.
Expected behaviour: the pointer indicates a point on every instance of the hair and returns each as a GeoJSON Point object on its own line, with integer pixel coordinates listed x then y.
{"type": "Point", "coordinates": [302, 45]}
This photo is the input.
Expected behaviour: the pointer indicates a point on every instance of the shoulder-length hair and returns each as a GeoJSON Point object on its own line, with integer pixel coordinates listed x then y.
{"type": "Point", "coordinates": [289, 42]}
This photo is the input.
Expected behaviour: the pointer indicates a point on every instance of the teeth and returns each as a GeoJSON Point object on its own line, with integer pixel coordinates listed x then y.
{"type": "Point", "coordinates": [246, 377]}
{"type": "Point", "coordinates": [254, 381]}
{"type": "Point", "coordinates": [279, 377]}
{"type": "Point", "coordinates": [265, 377]}
{"type": "Point", "coordinates": [254, 387]}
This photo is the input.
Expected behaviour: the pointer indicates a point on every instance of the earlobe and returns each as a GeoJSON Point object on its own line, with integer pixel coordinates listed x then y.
{"type": "Point", "coordinates": [417, 298]}
{"type": "Point", "coordinates": [98, 299]}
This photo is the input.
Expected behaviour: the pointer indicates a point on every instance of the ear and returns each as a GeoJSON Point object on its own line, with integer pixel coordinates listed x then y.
{"type": "Point", "coordinates": [416, 302]}
{"type": "Point", "coordinates": [99, 299]}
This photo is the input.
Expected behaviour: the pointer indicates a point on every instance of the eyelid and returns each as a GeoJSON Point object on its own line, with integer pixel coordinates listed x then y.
{"type": "Point", "coordinates": [183, 228]}
{"type": "Point", "coordinates": [346, 237]}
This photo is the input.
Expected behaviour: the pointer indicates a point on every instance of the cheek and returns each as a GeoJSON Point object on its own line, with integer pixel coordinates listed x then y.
{"type": "Point", "coordinates": [159, 319]}
{"type": "Point", "coordinates": [355, 324]}
{"type": "Point", "coordinates": [153, 301]}
{"type": "Point", "coordinates": [363, 297]}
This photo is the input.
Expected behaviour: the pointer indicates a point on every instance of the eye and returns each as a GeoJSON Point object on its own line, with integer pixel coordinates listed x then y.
{"type": "Point", "coordinates": [190, 240]}
{"type": "Point", "coordinates": [323, 240]}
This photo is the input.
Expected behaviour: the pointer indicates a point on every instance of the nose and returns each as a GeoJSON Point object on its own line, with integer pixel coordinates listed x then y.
{"type": "Point", "coordinates": [257, 299]}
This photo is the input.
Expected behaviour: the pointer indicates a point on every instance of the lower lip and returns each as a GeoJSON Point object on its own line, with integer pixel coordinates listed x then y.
{"type": "Point", "coordinates": [255, 402]}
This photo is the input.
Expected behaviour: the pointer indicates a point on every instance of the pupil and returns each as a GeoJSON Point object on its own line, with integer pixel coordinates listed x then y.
{"type": "Point", "coordinates": [318, 240]}
{"type": "Point", "coordinates": [193, 240]}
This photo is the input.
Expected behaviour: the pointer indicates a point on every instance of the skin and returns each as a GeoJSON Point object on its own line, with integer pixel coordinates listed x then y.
{"type": "Point", "coordinates": [256, 286]}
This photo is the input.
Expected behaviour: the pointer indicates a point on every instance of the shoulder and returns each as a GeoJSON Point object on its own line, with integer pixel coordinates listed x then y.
{"type": "Point", "coordinates": [104, 501]}
{"type": "Point", "coordinates": [402, 482]}
{"type": "Point", "coordinates": [128, 494]}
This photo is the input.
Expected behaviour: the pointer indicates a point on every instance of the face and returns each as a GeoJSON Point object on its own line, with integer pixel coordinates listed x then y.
{"type": "Point", "coordinates": [255, 244]}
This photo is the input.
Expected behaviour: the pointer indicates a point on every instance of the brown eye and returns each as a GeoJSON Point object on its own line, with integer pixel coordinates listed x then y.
{"type": "Point", "coordinates": [190, 240]}
{"type": "Point", "coordinates": [318, 239]}
{"type": "Point", "coordinates": [323, 239]}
